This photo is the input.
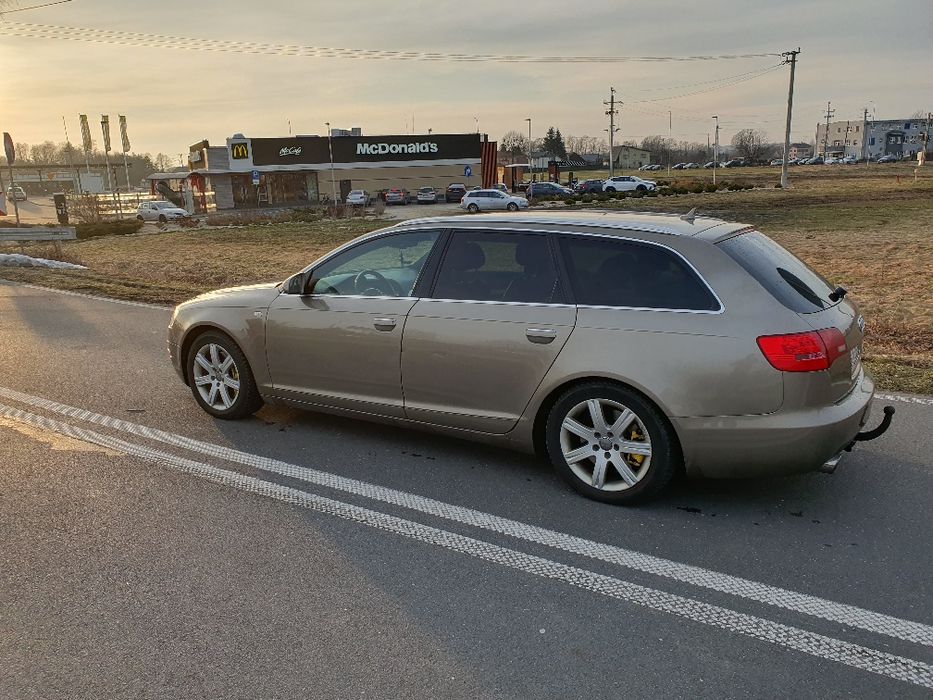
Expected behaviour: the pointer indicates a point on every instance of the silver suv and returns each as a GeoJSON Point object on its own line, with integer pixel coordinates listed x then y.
{"type": "Point", "coordinates": [622, 346]}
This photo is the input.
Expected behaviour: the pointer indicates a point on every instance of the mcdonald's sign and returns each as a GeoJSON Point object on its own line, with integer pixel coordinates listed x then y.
{"type": "Point", "coordinates": [239, 150]}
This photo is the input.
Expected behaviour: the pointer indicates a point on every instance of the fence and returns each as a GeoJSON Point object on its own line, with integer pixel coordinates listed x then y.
{"type": "Point", "coordinates": [123, 205]}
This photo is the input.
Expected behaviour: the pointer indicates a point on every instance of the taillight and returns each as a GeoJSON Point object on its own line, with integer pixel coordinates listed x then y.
{"type": "Point", "coordinates": [803, 352]}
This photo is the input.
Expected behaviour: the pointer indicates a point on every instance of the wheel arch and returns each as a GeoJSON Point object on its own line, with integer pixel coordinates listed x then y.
{"type": "Point", "coordinates": [539, 424]}
{"type": "Point", "coordinates": [192, 334]}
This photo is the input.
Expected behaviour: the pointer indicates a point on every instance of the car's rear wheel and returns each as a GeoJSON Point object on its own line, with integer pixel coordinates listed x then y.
{"type": "Point", "coordinates": [221, 380]}
{"type": "Point", "coordinates": [139, 218]}
{"type": "Point", "coordinates": [610, 189]}
{"type": "Point", "coordinates": [610, 443]}
{"type": "Point", "coordinates": [472, 208]}
{"type": "Point", "coordinates": [512, 206]}
{"type": "Point", "coordinates": [162, 219]}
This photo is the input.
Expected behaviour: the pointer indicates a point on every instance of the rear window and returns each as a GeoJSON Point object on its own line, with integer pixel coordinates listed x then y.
{"type": "Point", "coordinates": [788, 279]}
{"type": "Point", "coordinates": [607, 272]}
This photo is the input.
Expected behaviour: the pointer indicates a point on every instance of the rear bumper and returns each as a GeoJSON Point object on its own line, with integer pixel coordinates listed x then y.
{"type": "Point", "coordinates": [785, 442]}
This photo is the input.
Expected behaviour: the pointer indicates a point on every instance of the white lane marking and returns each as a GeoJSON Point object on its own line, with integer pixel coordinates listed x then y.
{"type": "Point", "coordinates": [66, 292]}
{"type": "Point", "coordinates": [821, 646]}
{"type": "Point", "coordinates": [734, 585]}
{"type": "Point", "coordinates": [906, 398]}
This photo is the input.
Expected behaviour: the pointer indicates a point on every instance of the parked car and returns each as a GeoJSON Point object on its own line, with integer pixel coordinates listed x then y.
{"type": "Point", "coordinates": [679, 166]}
{"type": "Point", "coordinates": [830, 160]}
{"type": "Point", "coordinates": [778, 161]}
{"type": "Point", "coordinates": [555, 333]}
{"type": "Point", "coordinates": [628, 183]}
{"type": "Point", "coordinates": [815, 160]}
{"type": "Point", "coordinates": [426, 195]}
{"type": "Point", "coordinates": [397, 195]}
{"type": "Point", "coordinates": [160, 211]}
{"type": "Point", "coordinates": [501, 187]}
{"type": "Point", "coordinates": [455, 192]}
{"type": "Point", "coordinates": [15, 193]}
{"type": "Point", "coordinates": [358, 198]}
{"type": "Point", "coordinates": [488, 200]}
{"type": "Point", "coordinates": [547, 189]}
{"type": "Point", "coordinates": [691, 166]}
{"type": "Point", "coordinates": [848, 160]}
{"type": "Point", "coordinates": [887, 159]}
{"type": "Point", "coordinates": [589, 186]}
{"type": "Point", "coordinates": [734, 163]}
{"type": "Point", "coordinates": [712, 164]}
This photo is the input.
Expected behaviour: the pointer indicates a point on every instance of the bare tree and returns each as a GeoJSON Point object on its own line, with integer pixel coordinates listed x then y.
{"type": "Point", "coordinates": [751, 144]}
{"type": "Point", "coordinates": [513, 142]}
{"type": "Point", "coordinates": [45, 153]}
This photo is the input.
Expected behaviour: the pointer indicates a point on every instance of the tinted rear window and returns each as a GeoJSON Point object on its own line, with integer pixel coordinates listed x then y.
{"type": "Point", "coordinates": [788, 279]}
{"type": "Point", "coordinates": [607, 272]}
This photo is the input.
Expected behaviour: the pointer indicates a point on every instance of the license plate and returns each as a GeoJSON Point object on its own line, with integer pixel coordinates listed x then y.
{"type": "Point", "coordinates": [856, 358]}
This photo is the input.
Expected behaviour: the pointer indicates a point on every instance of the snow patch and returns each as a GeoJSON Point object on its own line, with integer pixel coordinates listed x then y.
{"type": "Point", "coordinates": [18, 260]}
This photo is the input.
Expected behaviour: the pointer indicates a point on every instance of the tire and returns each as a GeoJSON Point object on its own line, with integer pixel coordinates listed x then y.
{"type": "Point", "coordinates": [649, 469]}
{"type": "Point", "coordinates": [162, 219]}
{"type": "Point", "coordinates": [512, 206]}
{"type": "Point", "coordinates": [641, 188]}
{"type": "Point", "coordinates": [472, 208]}
{"type": "Point", "coordinates": [139, 218]}
{"type": "Point", "coordinates": [246, 401]}
{"type": "Point", "coordinates": [610, 189]}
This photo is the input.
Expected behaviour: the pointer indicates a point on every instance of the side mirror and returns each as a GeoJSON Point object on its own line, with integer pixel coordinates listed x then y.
{"type": "Point", "coordinates": [301, 283]}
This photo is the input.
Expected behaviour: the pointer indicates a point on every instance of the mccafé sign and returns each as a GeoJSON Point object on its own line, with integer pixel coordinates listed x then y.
{"type": "Point", "coordinates": [378, 149]}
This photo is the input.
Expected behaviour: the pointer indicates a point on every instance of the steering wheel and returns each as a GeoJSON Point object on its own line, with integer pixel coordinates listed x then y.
{"type": "Point", "coordinates": [368, 281]}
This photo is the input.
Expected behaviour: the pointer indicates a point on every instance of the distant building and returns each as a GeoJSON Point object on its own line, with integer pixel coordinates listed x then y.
{"type": "Point", "coordinates": [800, 150]}
{"type": "Point", "coordinates": [871, 138]}
{"type": "Point", "coordinates": [630, 157]}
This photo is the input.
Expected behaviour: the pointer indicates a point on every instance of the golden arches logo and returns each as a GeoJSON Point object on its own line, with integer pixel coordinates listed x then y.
{"type": "Point", "coordinates": [239, 151]}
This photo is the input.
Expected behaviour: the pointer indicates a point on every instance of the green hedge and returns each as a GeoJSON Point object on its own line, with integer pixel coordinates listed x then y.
{"type": "Point", "coordinates": [107, 228]}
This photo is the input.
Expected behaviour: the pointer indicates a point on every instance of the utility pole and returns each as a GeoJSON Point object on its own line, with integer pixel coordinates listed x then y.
{"type": "Point", "coordinates": [611, 112]}
{"type": "Point", "coordinates": [716, 149]}
{"type": "Point", "coordinates": [670, 139]}
{"type": "Point", "coordinates": [790, 57]}
{"type": "Point", "coordinates": [864, 153]}
{"type": "Point", "coordinates": [845, 141]}
{"type": "Point", "coordinates": [531, 169]}
{"type": "Point", "coordinates": [333, 179]}
{"type": "Point", "coordinates": [829, 115]}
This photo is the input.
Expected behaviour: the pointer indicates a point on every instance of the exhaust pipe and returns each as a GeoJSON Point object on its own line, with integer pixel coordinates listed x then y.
{"type": "Point", "coordinates": [829, 466]}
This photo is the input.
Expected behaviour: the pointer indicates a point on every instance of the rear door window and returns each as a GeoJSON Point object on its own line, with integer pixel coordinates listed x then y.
{"type": "Point", "coordinates": [787, 278]}
{"type": "Point", "coordinates": [610, 272]}
{"type": "Point", "coordinates": [505, 267]}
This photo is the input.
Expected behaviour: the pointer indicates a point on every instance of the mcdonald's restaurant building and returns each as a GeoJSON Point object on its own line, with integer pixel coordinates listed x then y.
{"type": "Point", "coordinates": [302, 170]}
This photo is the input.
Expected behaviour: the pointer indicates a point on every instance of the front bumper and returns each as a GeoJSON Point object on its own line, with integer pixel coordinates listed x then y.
{"type": "Point", "coordinates": [784, 442]}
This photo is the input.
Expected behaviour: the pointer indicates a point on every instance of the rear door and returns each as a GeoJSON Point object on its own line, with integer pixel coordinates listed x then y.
{"type": "Point", "coordinates": [474, 352]}
{"type": "Point", "coordinates": [804, 291]}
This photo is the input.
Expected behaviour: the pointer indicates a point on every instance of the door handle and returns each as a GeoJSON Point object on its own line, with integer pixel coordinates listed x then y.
{"type": "Point", "coordinates": [540, 335]}
{"type": "Point", "coordinates": [384, 324]}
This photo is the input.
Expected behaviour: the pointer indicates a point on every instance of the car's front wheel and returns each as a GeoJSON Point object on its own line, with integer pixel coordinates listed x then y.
{"type": "Point", "coordinates": [162, 219]}
{"type": "Point", "coordinates": [512, 206]}
{"type": "Point", "coordinates": [610, 443]}
{"type": "Point", "coordinates": [220, 377]}
{"type": "Point", "coordinates": [473, 208]}
{"type": "Point", "coordinates": [610, 189]}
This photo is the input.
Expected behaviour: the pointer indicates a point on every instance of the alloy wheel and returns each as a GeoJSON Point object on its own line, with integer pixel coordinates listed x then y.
{"type": "Point", "coordinates": [216, 376]}
{"type": "Point", "coordinates": [605, 444]}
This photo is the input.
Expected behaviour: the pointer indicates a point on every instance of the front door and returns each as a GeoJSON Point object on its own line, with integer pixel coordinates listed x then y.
{"type": "Point", "coordinates": [476, 350]}
{"type": "Point", "coordinates": [340, 345]}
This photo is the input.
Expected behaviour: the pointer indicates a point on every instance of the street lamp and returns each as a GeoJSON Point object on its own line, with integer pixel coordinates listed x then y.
{"type": "Point", "coordinates": [716, 149]}
{"type": "Point", "coordinates": [330, 148]}
{"type": "Point", "coordinates": [530, 166]}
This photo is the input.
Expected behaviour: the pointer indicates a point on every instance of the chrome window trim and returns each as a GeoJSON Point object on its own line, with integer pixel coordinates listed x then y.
{"type": "Point", "coordinates": [722, 307]}
{"type": "Point", "coordinates": [500, 303]}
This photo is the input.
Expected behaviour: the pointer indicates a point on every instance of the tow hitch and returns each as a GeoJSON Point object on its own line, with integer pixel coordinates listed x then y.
{"type": "Point", "coordinates": [876, 432]}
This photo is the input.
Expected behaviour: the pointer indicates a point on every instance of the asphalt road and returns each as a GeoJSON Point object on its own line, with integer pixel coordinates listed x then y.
{"type": "Point", "coordinates": [147, 550]}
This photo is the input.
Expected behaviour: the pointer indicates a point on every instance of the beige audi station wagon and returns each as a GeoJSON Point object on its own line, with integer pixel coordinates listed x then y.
{"type": "Point", "coordinates": [623, 347]}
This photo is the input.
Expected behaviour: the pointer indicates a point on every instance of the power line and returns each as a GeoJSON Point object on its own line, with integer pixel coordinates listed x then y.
{"type": "Point", "coordinates": [33, 7]}
{"type": "Point", "coordinates": [139, 39]}
{"type": "Point", "coordinates": [748, 77]}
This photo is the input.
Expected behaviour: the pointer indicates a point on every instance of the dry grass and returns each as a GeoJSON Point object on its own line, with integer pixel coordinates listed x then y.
{"type": "Point", "coordinates": [859, 227]}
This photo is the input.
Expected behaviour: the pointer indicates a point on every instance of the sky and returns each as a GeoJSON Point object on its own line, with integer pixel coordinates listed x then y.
{"type": "Point", "coordinates": [856, 53]}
